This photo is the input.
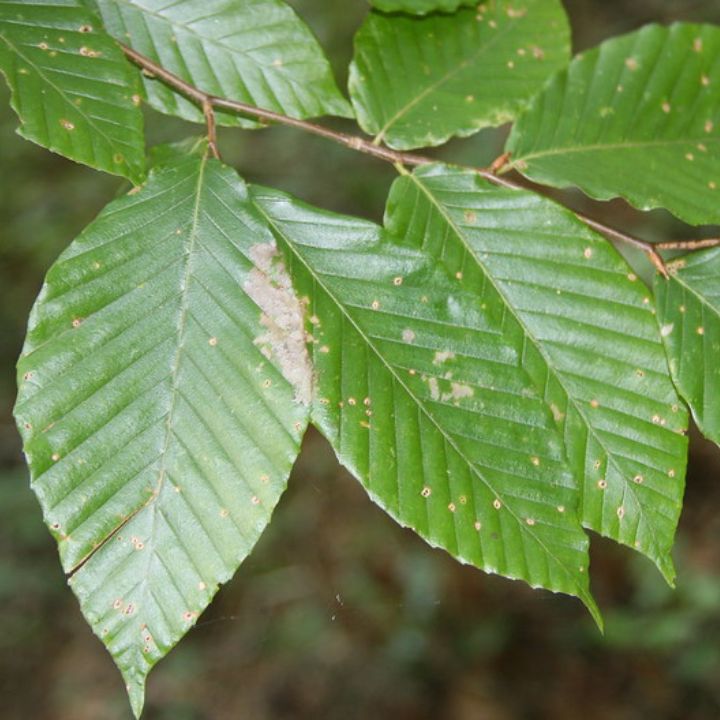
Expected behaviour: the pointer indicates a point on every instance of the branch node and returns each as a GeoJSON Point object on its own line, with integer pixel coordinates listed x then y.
{"type": "Point", "coordinates": [209, 113]}
{"type": "Point", "coordinates": [499, 163]}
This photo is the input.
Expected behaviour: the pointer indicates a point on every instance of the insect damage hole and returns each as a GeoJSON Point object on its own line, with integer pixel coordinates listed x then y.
{"type": "Point", "coordinates": [282, 316]}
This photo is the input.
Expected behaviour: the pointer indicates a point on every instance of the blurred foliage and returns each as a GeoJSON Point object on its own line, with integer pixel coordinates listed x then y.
{"type": "Point", "coordinates": [339, 613]}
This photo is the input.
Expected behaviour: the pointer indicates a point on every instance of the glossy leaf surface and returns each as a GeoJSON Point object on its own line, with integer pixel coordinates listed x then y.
{"type": "Point", "coordinates": [587, 332]}
{"type": "Point", "coordinates": [158, 433]}
{"type": "Point", "coordinates": [417, 82]}
{"type": "Point", "coordinates": [256, 51]}
{"type": "Point", "coordinates": [638, 118]}
{"type": "Point", "coordinates": [425, 397]}
{"type": "Point", "coordinates": [689, 315]}
{"type": "Point", "coordinates": [72, 88]}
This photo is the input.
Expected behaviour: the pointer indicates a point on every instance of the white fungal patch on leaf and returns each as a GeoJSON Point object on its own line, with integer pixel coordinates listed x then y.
{"type": "Point", "coordinates": [442, 356]}
{"type": "Point", "coordinates": [458, 391]}
{"type": "Point", "coordinates": [270, 287]}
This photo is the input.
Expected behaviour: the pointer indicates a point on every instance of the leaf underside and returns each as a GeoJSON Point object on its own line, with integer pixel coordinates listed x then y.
{"type": "Point", "coordinates": [256, 51]}
{"type": "Point", "coordinates": [424, 397]}
{"type": "Point", "coordinates": [628, 115]}
{"type": "Point", "coordinates": [158, 433]}
{"type": "Point", "coordinates": [417, 82]}
{"type": "Point", "coordinates": [689, 315]}
{"type": "Point", "coordinates": [586, 333]}
{"type": "Point", "coordinates": [72, 88]}
{"type": "Point", "coordinates": [421, 7]}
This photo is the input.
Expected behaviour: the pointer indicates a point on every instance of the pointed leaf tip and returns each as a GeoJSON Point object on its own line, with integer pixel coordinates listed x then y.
{"type": "Point", "coordinates": [157, 422]}
{"type": "Point", "coordinates": [422, 395]}
{"type": "Point", "coordinates": [588, 336]}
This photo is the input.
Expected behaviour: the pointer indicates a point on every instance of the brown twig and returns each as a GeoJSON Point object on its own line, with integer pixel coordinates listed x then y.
{"type": "Point", "coordinates": [209, 114]}
{"type": "Point", "coordinates": [209, 103]}
{"type": "Point", "coordinates": [689, 244]}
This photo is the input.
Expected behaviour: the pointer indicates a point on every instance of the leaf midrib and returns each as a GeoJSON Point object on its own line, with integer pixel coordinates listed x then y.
{"type": "Point", "coordinates": [152, 501]}
{"type": "Point", "coordinates": [521, 525]}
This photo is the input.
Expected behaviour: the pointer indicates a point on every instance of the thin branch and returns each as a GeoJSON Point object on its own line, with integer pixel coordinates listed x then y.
{"type": "Point", "coordinates": [209, 103]}
{"type": "Point", "coordinates": [648, 248]}
{"type": "Point", "coordinates": [689, 244]}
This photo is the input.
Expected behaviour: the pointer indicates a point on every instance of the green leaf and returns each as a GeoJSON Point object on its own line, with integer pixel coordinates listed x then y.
{"type": "Point", "coordinates": [689, 315]}
{"type": "Point", "coordinates": [72, 88]}
{"type": "Point", "coordinates": [158, 434]}
{"type": "Point", "coordinates": [256, 51]}
{"type": "Point", "coordinates": [421, 7]}
{"type": "Point", "coordinates": [638, 117]}
{"type": "Point", "coordinates": [416, 82]}
{"type": "Point", "coordinates": [426, 399]}
{"type": "Point", "coordinates": [586, 331]}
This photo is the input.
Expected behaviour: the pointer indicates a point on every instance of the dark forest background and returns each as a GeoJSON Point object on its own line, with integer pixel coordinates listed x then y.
{"type": "Point", "coordinates": [339, 614]}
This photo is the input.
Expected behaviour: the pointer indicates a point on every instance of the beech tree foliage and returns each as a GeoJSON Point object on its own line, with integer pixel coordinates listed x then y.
{"type": "Point", "coordinates": [483, 360]}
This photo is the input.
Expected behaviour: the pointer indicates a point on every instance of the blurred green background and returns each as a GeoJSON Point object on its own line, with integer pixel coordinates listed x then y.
{"type": "Point", "coordinates": [339, 613]}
